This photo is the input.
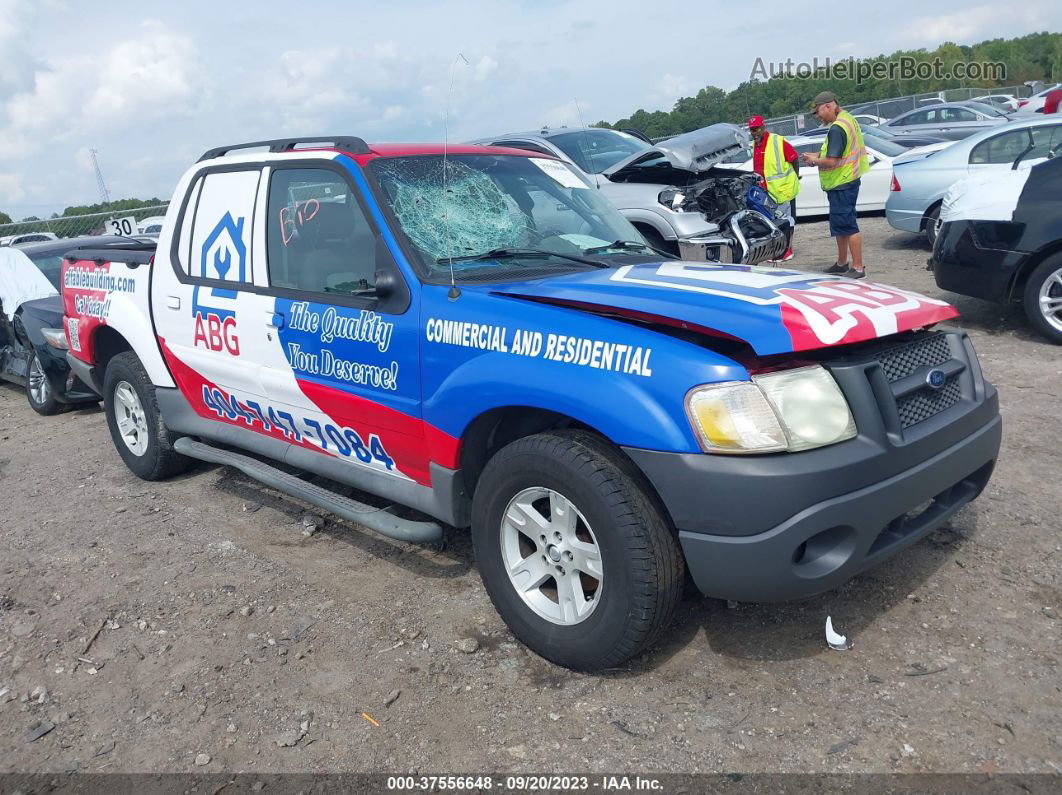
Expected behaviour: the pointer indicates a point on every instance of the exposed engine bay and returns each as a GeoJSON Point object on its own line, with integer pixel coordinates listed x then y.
{"type": "Point", "coordinates": [748, 227]}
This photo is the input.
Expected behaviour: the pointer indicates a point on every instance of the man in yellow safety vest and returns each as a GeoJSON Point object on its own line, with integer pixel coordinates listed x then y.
{"type": "Point", "coordinates": [841, 162]}
{"type": "Point", "coordinates": [778, 165]}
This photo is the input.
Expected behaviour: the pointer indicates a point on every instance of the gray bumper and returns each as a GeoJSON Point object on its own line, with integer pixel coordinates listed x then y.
{"type": "Point", "coordinates": [829, 542]}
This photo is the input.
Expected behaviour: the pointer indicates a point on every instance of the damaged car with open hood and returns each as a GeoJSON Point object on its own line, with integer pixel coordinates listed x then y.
{"type": "Point", "coordinates": [677, 193]}
{"type": "Point", "coordinates": [476, 334]}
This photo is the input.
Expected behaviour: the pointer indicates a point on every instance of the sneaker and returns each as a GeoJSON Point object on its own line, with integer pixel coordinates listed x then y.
{"type": "Point", "coordinates": [852, 273]}
{"type": "Point", "coordinates": [837, 268]}
{"type": "Point", "coordinates": [787, 256]}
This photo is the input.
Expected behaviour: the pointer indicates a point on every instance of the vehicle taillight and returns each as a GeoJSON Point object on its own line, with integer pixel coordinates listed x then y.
{"type": "Point", "coordinates": [895, 183]}
{"type": "Point", "coordinates": [1022, 103]}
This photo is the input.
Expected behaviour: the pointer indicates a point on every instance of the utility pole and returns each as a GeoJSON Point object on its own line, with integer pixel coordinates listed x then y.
{"type": "Point", "coordinates": [105, 195]}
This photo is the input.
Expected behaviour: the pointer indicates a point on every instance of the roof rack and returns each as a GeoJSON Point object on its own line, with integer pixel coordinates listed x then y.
{"type": "Point", "coordinates": [348, 143]}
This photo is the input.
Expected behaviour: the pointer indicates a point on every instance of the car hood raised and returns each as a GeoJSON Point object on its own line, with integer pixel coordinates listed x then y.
{"type": "Point", "coordinates": [695, 151]}
{"type": "Point", "coordinates": [771, 309]}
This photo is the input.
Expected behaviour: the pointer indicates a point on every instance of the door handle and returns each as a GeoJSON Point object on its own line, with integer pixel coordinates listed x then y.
{"type": "Point", "coordinates": [276, 320]}
{"type": "Point", "coordinates": [173, 302]}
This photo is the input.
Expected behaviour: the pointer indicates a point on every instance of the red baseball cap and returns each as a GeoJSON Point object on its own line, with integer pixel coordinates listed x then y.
{"type": "Point", "coordinates": [755, 121]}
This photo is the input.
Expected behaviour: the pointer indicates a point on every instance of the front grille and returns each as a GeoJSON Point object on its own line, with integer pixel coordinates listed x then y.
{"type": "Point", "coordinates": [905, 367]}
{"type": "Point", "coordinates": [902, 360]}
{"type": "Point", "coordinates": [927, 402]}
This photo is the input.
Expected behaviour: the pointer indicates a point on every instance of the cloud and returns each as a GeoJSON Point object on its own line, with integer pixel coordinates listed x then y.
{"type": "Point", "coordinates": [989, 20]}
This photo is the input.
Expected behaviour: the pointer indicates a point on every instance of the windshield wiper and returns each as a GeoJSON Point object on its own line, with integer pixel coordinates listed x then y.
{"type": "Point", "coordinates": [511, 253]}
{"type": "Point", "coordinates": [626, 245]}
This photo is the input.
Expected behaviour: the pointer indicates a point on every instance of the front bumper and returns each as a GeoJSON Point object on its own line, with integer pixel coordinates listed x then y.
{"type": "Point", "coordinates": [787, 526]}
{"type": "Point", "coordinates": [746, 238]}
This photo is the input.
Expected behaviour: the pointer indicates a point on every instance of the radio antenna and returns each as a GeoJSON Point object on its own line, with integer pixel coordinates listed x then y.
{"type": "Point", "coordinates": [454, 292]}
{"type": "Point", "coordinates": [582, 125]}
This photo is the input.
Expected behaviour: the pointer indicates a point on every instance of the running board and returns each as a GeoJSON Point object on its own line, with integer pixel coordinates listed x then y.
{"type": "Point", "coordinates": [377, 519]}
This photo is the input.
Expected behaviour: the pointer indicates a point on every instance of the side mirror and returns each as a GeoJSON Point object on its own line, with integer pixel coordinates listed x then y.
{"type": "Point", "coordinates": [392, 292]}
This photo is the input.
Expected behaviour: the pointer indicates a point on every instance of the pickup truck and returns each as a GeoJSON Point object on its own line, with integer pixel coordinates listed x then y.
{"type": "Point", "coordinates": [474, 333]}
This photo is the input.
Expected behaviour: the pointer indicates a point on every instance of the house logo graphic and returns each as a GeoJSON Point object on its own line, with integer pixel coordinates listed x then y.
{"type": "Point", "coordinates": [224, 257]}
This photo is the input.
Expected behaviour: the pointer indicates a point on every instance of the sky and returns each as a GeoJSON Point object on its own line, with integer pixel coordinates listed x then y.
{"type": "Point", "coordinates": [151, 86]}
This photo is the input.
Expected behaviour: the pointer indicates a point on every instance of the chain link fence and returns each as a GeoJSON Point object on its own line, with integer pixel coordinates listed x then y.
{"type": "Point", "coordinates": [142, 220]}
{"type": "Point", "coordinates": [886, 109]}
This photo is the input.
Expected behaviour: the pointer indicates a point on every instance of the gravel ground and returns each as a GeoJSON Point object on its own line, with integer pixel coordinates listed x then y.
{"type": "Point", "coordinates": [198, 624]}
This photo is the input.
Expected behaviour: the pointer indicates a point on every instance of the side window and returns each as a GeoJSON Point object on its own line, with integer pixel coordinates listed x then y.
{"type": "Point", "coordinates": [958, 114]}
{"type": "Point", "coordinates": [317, 238]}
{"type": "Point", "coordinates": [921, 117]}
{"type": "Point", "coordinates": [184, 236]}
{"type": "Point", "coordinates": [1045, 140]}
{"type": "Point", "coordinates": [221, 229]}
{"type": "Point", "coordinates": [1003, 148]}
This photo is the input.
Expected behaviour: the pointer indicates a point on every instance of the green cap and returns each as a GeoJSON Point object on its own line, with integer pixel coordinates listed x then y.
{"type": "Point", "coordinates": [822, 98]}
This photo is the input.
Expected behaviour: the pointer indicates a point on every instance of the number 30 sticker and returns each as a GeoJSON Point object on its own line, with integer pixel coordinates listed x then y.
{"type": "Point", "coordinates": [122, 226]}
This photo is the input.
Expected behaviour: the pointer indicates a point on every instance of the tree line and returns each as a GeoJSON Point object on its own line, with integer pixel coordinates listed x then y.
{"type": "Point", "coordinates": [1037, 56]}
{"type": "Point", "coordinates": [71, 223]}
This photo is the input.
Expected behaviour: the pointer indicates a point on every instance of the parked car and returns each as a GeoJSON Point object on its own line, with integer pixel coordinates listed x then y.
{"type": "Point", "coordinates": [32, 340]}
{"type": "Point", "coordinates": [907, 141]}
{"type": "Point", "coordinates": [868, 118]}
{"type": "Point", "coordinates": [151, 226]}
{"type": "Point", "coordinates": [953, 120]}
{"type": "Point", "coordinates": [1035, 103]}
{"type": "Point", "coordinates": [1001, 239]}
{"type": "Point", "coordinates": [477, 334]}
{"type": "Point", "coordinates": [874, 185]}
{"type": "Point", "coordinates": [920, 181]}
{"type": "Point", "coordinates": [677, 193]}
{"type": "Point", "coordinates": [26, 237]}
{"type": "Point", "coordinates": [1005, 102]}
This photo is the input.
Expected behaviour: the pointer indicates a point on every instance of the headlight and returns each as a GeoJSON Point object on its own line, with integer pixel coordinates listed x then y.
{"type": "Point", "coordinates": [790, 411]}
{"type": "Point", "coordinates": [676, 199]}
{"type": "Point", "coordinates": [55, 337]}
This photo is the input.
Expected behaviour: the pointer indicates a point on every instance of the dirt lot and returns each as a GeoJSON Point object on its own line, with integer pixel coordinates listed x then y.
{"type": "Point", "coordinates": [233, 640]}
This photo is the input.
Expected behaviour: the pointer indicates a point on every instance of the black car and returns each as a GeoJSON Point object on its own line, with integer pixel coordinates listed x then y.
{"type": "Point", "coordinates": [32, 340]}
{"type": "Point", "coordinates": [1010, 249]}
{"type": "Point", "coordinates": [906, 141]}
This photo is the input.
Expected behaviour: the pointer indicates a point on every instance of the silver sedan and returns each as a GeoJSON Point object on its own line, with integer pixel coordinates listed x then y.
{"type": "Point", "coordinates": [919, 182]}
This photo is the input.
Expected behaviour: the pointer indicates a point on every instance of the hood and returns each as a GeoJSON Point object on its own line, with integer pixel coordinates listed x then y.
{"type": "Point", "coordinates": [47, 311]}
{"type": "Point", "coordinates": [695, 151]}
{"type": "Point", "coordinates": [772, 310]}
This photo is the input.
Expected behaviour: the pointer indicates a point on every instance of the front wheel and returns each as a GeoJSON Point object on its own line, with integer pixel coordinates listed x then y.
{"type": "Point", "coordinates": [1043, 298]}
{"type": "Point", "coordinates": [141, 437]}
{"type": "Point", "coordinates": [39, 390]}
{"type": "Point", "coordinates": [573, 552]}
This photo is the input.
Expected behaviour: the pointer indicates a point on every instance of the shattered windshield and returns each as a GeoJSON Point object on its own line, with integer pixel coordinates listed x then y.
{"type": "Point", "coordinates": [498, 213]}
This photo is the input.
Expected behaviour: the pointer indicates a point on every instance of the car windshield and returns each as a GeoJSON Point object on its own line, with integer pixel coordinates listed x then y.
{"type": "Point", "coordinates": [492, 216]}
{"type": "Point", "coordinates": [595, 150]}
{"type": "Point", "coordinates": [50, 265]}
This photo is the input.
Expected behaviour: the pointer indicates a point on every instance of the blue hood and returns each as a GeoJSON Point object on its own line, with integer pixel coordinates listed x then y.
{"type": "Point", "coordinates": [773, 310]}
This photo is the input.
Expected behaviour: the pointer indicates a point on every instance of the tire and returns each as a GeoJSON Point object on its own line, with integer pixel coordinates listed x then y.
{"type": "Point", "coordinates": [39, 390]}
{"type": "Point", "coordinates": [142, 439]}
{"type": "Point", "coordinates": [1043, 293]}
{"type": "Point", "coordinates": [639, 568]}
{"type": "Point", "coordinates": [932, 226]}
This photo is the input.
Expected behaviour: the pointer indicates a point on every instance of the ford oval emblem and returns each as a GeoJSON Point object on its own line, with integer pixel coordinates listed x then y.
{"type": "Point", "coordinates": [936, 379]}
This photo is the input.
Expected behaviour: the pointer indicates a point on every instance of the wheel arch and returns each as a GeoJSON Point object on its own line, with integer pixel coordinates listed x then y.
{"type": "Point", "coordinates": [1032, 262]}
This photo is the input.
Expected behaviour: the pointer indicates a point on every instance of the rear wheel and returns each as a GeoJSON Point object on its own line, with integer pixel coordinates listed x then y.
{"type": "Point", "coordinates": [142, 439]}
{"type": "Point", "coordinates": [39, 390]}
{"type": "Point", "coordinates": [932, 226]}
{"type": "Point", "coordinates": [576, 557]}
{"type": "Point", "coordinates": [1043, 298]}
